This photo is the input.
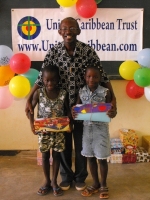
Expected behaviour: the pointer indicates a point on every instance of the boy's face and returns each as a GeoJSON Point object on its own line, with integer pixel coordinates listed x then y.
{"type": "Point", "coordinates": [69, 30]}
{"type": "Point", "coordinates": [50, 80]}
{"type": "Point", "coordinates": [92, 78]}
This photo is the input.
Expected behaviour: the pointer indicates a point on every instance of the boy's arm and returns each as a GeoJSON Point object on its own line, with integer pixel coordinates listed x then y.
{"type": "Point", "coordinates": [112, 112]}
{"type": "Point", "coordinates": [29, 107]}
{"type": "Point", "coordinates": [30, 115]}
{"type": "Point", "coordinates": [113, 98]}
{"type": "Point", "coordinates": [74, 114]}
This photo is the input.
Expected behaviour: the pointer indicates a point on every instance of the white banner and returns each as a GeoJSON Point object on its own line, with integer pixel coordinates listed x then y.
{"type": "Point", "coordinates": [115, 34]}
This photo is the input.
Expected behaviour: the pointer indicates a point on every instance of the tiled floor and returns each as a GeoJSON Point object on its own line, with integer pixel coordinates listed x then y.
{"type": "Point", "coordinates": [20, 178]}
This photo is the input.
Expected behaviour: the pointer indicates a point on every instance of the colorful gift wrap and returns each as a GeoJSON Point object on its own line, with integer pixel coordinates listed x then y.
{"type": "Point", "coordinates": [57, 124]}
{"type": "Point", "coordinates": [129, 138]}
{"type": "Point", "coordinates": [129, 158]}
{"type": "Point", "coordinates": [116, 158]}
{"type": "Point", "coordinates": [93, 112]}
{"type": "Point", "coordinates": [146, 142]}
{"type": "Point", "coordinates": [116, 146]}
{"type": "Point", "coordinates": [142, 155]}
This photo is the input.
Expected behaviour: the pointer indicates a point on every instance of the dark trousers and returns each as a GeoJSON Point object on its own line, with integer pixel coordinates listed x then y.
{"type": "Point", "coordinates": [66, 172]}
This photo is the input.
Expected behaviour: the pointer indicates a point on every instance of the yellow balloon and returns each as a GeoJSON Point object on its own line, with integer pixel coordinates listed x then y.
{"type": "Point", "coordinates": [5, 75]}
{"type": "Point", "coordinates": [19, 86]}
{"type": "Point", "coordinates": [66, 3]}
{"type": "Point", "coordinates": [128, 68]}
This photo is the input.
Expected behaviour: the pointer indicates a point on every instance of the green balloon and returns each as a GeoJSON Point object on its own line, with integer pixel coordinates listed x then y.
{"type": "Point", "coordinates": [31, 75]}
{"type": "Point", "coordinates": [98, 1]}
{"type": "Point", "coordinates": [142, 77]}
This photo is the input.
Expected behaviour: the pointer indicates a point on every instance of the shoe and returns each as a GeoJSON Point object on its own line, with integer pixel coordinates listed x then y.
{"type": "Point", "coordinates": [89, 190]}
{"type": "Point", "coordinates": [80, 186]}
{"type": "Point", "coordinates": [44, 190]}
{"type": "Point", "coordinates": [64, 185]}
{"type": "Point", "coordinates": [57, 192]}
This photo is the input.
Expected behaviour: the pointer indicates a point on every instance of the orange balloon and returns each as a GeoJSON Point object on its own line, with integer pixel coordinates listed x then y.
{"type": "Point", "coordinates": [6, 74]}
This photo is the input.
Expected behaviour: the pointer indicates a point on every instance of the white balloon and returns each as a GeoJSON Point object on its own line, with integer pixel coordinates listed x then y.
{"type": "Point", "coordinates": [68, 12]}
{"type": "Point", "coordinates": [147, 92]}
{"type": "Point", "coordinates": [5, 54]}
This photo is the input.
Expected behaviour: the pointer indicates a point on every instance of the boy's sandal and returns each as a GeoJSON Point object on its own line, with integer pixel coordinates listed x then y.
{"type": "Point", "coordinates": [104, 193]}
{"type": "Point", "coordinates": [89, 190]}
{"type": "Point", "coordinates": [57, 191]}
{"type": "Point", "coordinates": [44, 190]}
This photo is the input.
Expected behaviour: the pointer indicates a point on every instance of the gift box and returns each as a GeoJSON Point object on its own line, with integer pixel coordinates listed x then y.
{"type": "Point", "coordinates": [129, 138]}
{"type": "Point", "coordinates": [116, 146]}
{"type": "Point", "coordinates": [146, 142]}
{"type": "Point", "coordinates": [39, 158]}
{"type": "Point", "coordinates": [93, 112]}
{"type": "Point", "coordinates": [58, 124]}
{"type": "Point", "coordinates": [142, 155]}
{"type": "Point", "coordinates": [128, 158]}
{"type": "Point", "coordinates": [116, 158]}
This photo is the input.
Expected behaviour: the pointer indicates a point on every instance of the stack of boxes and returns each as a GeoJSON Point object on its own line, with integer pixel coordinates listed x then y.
{"type": "Point", "coordinates": [39, 158]}
{"type": "Point", "coordinates": [125, 149]}
{"type": "Point", "coordinates": [117, 149]}
{"type": "Point", "coordinates": [130, 141]}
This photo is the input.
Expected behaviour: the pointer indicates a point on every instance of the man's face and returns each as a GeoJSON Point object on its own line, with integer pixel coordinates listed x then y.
{"type": "Point", "coordinates": [69, 30]}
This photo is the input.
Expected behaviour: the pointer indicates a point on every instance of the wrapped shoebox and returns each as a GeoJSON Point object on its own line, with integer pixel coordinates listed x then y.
{"type": "Point", "coordinates": [129, 139]}
{"type": "Point", "coordinates": [93, 112]}
{"type": "Point", "coordinates": [116, 146]}
{"type": "Point", "coordinates": [57, 124]}
{"type": "Point", "coordinates": [142, 155]}
{"type": "Point", "coordinates": [116, 158]}
{"type": "Point", "coordinates": [146, 142]}
{"type": "Point", "coordinates": [129, 158]}
{"type": "Point", "coordinates": [39, 158]}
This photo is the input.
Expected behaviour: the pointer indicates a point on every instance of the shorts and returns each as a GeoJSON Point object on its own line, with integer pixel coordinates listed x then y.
{"type": "Point", "coordinates": [96, 140]}
{"type": "Point", "coordinates": [49, 140]}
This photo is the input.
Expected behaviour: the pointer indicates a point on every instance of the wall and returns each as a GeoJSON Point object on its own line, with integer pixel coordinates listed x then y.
{"type": "Point", "coordinates": [15, 131]}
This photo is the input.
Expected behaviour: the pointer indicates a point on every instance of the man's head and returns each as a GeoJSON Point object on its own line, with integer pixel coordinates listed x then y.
{"type": "Point", "coordinates": [69, 29]}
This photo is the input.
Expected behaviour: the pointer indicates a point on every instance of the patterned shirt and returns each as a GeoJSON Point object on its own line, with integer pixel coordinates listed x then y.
{"type": "Point", "coordinates": [71, 68]}
{"type": "Point", "coordinates": [47, 107]}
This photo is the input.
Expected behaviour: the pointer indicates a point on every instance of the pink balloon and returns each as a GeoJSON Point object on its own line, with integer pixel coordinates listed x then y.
{"type": "Point", "coordinates": [134, 91]}
{"type": "Point", "coordinates": [20, 63]}
{"type": "Point", "coordinates": [86, 9]}
{"type": "Point", "coordinates": [6, 98]}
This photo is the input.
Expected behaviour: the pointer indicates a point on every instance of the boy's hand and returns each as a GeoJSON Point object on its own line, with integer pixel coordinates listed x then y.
{"type": "Point", "coordinates": [112, 112]}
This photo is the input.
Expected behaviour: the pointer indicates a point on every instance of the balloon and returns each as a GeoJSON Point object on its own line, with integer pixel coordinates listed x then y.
{"type": "Point", "coordinates": [68, 12]}
{"type": "Point", "coordinates": [147, 92]}
{"type": "Point", "coordinates": [5, 55]}
{"type": "Point", "coordinates": [20, 63]}
{"type": "Point", "coordinates": [144, 57]}
{"type": "Point", "coordinates": [86, 9]}
{"type": "Point", "coordinates": [98, 1]}
{"type": "Point", "coordinates": [66, 3]}
{"type": "Point", "coordinates": [31, 75]}
{"type": "Point", "coordinates": [6, 98]}
{"type": "Point", "coordinates": [127, 69]}
{"type": "Point", "coordinates": [142, 77]}
{"type": "Point", "coordinates": [5, 75]}
{"type": "Point", "coordinates": [19, 86]}
{"type": "Point", "coordinates": [133, 90]}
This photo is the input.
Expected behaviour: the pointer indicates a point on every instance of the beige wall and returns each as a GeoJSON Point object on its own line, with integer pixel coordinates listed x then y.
{"type": "Point", "coordinates": [15, 131]}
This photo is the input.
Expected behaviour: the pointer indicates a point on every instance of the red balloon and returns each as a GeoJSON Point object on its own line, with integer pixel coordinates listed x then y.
{"type": "Point", "coordinates": [86, 9]}
{"type": "Point", "coordinates": [134, 91]}
{"type": "Point", "coordinates": [20, 63]}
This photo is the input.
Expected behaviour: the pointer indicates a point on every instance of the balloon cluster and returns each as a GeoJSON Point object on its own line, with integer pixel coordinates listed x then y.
{"type": "Point", "coordinates": [138, 74]}
{"type": "Point", "coordinates": [73, 8]}
{"type": "Point", "coordinates": [16, 76]}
